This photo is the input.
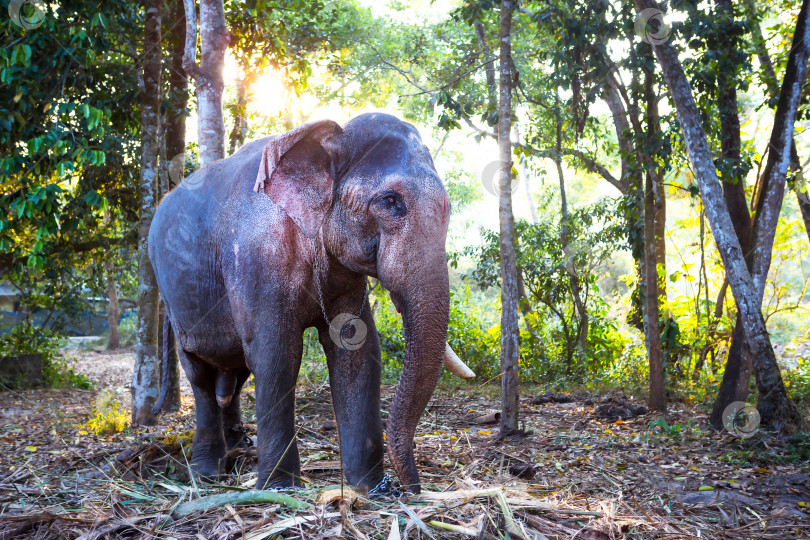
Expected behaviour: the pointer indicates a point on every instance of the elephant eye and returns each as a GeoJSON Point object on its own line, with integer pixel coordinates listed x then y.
{"type": "Point", "coordinates": [393, 204]}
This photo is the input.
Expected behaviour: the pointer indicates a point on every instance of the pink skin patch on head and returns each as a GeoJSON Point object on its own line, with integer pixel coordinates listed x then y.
{"type": "Point", "coordinates": [445, 213]}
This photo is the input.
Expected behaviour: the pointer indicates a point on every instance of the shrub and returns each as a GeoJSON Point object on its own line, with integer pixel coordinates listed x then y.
{"type": "Point", "coordinates": [57, 371]}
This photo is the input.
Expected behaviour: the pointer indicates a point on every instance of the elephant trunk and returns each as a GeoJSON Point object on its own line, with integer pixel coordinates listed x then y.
{"type": "Point", "coordinates": [424, 311]}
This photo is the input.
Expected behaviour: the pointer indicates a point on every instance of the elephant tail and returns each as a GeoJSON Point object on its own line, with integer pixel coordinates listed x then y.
{"type": "Point", "coordinates": [165, 376]}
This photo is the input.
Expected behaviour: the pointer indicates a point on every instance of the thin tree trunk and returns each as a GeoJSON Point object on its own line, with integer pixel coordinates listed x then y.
{"type": "Point", "coordinates": [175, 128]}
{"type": "Point", "coordinates": [146, 374]}
{"type": "Point", "coordinates": [239, 131]}
{"type": "Point", "coordinates": [172, 143]}
{"type": "Point", "coordinates": [737, 374]}
{"type": "Point", "coordinates": [489, 67]}
{"type": "Point", "coordinates": [652, 333]}
{"type": "Point", "coordinates": [113, 342]}
{"type": "Point", "coordinates": [214, 40]}
{"type": "Point", "coordinates": [650, 277]}
{"type": "Point", "coordinates": [776, 409]}
{"type": "Point", "coordinates": [659, 193]}
{"type": "Point", "coordinates": [510, 349]}
{"type": "Point", "coordinates": [573, 279]}
{"type": "Point", "coordinates": [799, 184]}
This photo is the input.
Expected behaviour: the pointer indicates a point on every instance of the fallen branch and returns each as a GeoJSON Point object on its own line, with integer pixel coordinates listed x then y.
{"type": "Point", "coordinates": [238, 498]}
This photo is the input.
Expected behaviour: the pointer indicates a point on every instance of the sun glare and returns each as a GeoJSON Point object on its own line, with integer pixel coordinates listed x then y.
{"type": "Point", "coordinates": [269, 95]}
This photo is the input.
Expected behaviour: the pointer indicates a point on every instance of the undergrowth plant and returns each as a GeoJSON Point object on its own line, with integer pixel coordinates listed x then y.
{"type": "Point", "coordinates": [108, 416]}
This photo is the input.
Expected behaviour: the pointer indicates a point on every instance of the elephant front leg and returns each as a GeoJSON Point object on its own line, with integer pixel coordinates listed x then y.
{"type": "Point", "coordinates": [275, 369]}
{"type": "Point", "coordinates": [354, 375]}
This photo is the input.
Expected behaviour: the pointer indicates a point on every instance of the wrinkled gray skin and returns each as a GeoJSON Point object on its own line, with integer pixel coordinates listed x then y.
{"type": "Point", "coordinates": [236, 271]}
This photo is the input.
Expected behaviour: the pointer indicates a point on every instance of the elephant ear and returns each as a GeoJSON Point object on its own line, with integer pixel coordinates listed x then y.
{"type": "Point", "coordinates": [297, 173]}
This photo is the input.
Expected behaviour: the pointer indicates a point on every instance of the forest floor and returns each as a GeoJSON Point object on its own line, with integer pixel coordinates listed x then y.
{"type": "Point", "coordinates": [585, 471]}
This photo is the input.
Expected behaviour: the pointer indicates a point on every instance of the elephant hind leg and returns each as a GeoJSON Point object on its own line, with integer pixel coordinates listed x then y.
{"type": "Point", "coordinates": [208, 447]}
{"type": "Point", "coordinates": [235, 435]}
{"type": "Point", "coordinates": [236, 438]}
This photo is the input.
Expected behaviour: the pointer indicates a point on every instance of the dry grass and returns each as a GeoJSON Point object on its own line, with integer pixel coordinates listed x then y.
{"type": "Point", "coordinates": [576, 477]}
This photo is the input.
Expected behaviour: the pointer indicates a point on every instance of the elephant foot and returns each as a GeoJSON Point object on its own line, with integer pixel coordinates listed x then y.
{"type": "Point", "coordinates": [281, 480]}
{"type": "Point", "coordinates": [207, 452]}
{"type": "Point", "coordinates": [207, 471]}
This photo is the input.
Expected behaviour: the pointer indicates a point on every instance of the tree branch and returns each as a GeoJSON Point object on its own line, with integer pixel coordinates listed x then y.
{"type": "Point", "coordinates": [589, 163]}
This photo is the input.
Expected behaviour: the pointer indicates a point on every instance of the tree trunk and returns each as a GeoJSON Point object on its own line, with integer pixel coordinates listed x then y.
{"type": "Point", "coordinates": [659, 193]}
{"type": "Point", "coordinates": [652, 333]}
{"type": "Point", "coordinates": [800, 188]}
{"type": "Point", "coordinates": [145, 377]}
{"type": "Point", "coordinates": [510, 349]}
{"type": "Point", "coordinates": [773, 398]}
{"type": "Point", "coordinates": [113, 342]}
{"type": "Point", "coordinates": [650, 277]}
{"type": "Point", "coordinates": [175, 128]}
{"type": "Point", "coordinates": [214, 40]}
{"type": "Point", "coordinates": [737, 374]}
{"type": "Point", "coordinates": [173, 147]}
{"type": "Point", "coordinates": [784, 417]}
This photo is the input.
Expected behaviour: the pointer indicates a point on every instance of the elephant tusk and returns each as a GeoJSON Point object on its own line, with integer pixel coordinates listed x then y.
{"type": "Point", "coordinates": [454, 364]}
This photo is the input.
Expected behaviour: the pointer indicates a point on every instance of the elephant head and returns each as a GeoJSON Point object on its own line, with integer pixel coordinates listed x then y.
{"type": "Point", "coordinates": [371, 194]}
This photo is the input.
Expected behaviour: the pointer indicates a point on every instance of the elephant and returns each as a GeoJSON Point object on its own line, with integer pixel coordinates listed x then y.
{"type": "Point", "coordinates": [251, 250]}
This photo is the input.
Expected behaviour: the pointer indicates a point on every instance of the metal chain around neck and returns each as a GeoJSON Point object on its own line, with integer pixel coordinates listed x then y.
{"type": "Point", "coordinates": [320, 293]}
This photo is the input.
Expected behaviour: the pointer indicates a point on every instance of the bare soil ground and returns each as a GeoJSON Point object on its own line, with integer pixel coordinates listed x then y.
{"type": "Point", "coordinates": [577, 474]}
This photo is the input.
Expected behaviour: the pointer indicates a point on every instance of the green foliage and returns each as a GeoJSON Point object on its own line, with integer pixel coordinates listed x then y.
{"type": "Point", "coordinates": [69, 141]}
{"type": "Point", "coordinates": [659, 428]}
{"type": "Point", "coordinates": [58, 371]}
{"type": "Point", "coordinates": [548, 272]}
{"type": "Point", "coordinates": [477, 346]}
{"type": "Point", "coordinates": [389, 328]}
{"type": "Point", "coordinates": [797, 380]}
{"type": "Point", "coordinates": [127, 328]}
